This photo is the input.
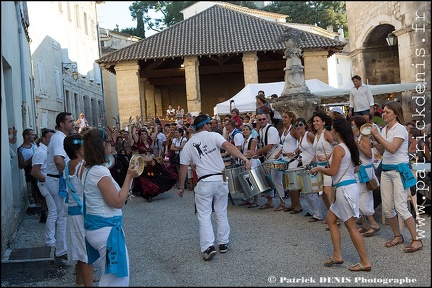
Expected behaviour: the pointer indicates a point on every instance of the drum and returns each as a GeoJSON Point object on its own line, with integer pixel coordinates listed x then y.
{"type": "Point", "coordinates": [138, 161]}
{"type": "Point", "coordinates": [280, 164]}
{"type": "Point", "coordinates": [255, 181]}
{"type": "Point", "coordinates": [295, 179]}
{"type": "Point", "coordinates": [232, 175]}
{"type": "Point", "coordinates": [311, 183]}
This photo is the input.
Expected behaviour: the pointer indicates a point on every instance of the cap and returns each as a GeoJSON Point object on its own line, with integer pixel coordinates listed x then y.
{"type": "Point", "coordinates": [338, 110]}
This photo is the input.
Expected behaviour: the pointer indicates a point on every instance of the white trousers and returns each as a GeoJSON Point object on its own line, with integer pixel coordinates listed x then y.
{"type": "Point", "coordinates": [49, 238]}
{"type": "Point", "coordinates": [56, 220]}
{"type": "Point", "coordinates": [394, 196]}
{"type": "Point", "coordinates": [205, 194]}
{"type": "Point", "coordinates": [98, 239]}
{"type": "Point", "coordinates": [277, 178]}
{"type": "Point", "coordinates": [315, 205]}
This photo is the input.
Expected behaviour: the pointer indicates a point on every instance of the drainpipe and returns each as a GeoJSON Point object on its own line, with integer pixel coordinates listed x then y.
{"type": "Point", "coordinates": [21, 46]}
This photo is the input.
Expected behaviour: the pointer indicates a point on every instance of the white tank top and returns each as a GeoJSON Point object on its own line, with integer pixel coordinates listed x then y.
{"type": "Point", "coordinates": [346, 165]}
{"type": "Point", "coordinates": [322, 147]}
{"type": "Point", "coordinates": [307, 150]}
{"type": "Point", "coordinates": [289, 143]}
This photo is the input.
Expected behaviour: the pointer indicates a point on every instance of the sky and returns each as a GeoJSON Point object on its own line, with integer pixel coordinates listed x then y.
{"type": "Point", "coordinates": [111, 13]}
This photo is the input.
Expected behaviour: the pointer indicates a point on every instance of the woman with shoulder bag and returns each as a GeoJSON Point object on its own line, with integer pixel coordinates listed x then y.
{"type": "Point", "coordinates": [365, 175]}
{"type": "Point", "coordinates": [342, 163]}
{"type": "Point", "coordinates": [396, 176]}
{"type": "Point", "coordinates": [177, 145]}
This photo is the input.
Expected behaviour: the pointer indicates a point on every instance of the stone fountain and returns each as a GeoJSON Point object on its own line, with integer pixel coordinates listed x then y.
{"type": "Point", "coordinates": [295, 96]}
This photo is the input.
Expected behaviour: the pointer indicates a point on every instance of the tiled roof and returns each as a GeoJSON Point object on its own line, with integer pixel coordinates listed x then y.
{"type": "Point", "coordinates": [215, 31]}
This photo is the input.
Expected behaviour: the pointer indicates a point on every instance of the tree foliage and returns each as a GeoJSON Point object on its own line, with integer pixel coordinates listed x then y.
{"type": "Point", "coordinates": [321, 13]}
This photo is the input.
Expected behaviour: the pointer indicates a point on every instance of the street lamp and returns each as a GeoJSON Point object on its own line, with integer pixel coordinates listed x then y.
{"type": "Point", "coordinates": [391, 39]}
{"type": "Point", "coordinates": [73, 66]}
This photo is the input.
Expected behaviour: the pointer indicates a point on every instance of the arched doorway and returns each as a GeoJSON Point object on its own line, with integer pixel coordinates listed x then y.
{"type": "Point", "coordinates": [381, 61]}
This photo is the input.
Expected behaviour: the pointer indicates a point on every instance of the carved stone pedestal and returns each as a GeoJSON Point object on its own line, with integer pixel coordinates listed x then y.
{"type": "Point", "coordinates": [303, 104]}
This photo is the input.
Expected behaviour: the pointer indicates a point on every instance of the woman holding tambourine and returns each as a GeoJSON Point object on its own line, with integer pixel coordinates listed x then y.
{"type": "Point", "coordinates": [366, 173]}
{"type": "Point", "coordinates": [396, 176]}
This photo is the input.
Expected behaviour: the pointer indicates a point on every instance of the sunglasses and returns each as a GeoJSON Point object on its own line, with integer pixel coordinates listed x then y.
{"type": "Point", "coordinates": [298, 125]}
{"type": "Point", "coordinates": [262, 119]}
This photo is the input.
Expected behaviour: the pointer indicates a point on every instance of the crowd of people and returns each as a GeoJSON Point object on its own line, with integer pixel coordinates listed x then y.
{"type": "Point", "coordinates": [83, 177]}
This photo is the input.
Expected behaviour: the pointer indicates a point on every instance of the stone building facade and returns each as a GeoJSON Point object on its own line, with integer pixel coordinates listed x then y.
{"type": "Point", "coordinates": [369, 25]}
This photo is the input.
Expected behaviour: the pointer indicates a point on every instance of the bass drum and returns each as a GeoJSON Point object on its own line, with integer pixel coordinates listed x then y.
{"type": "Point", "coordinates": [255, 181]}
{"type": "Point", "coordinates": [233, 183]}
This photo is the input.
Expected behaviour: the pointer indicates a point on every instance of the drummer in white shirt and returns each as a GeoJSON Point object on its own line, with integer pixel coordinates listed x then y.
{"type": "Point", "coordinates": [270, 147]}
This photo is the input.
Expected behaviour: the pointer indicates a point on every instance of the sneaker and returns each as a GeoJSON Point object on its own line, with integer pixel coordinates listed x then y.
{"type": "Point", "coordinates": [209, 253]}
{"type": "Point", "coordinates": [223, 248]}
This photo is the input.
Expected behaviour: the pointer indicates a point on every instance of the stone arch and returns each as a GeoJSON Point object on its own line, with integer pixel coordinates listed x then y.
{"type": "Point", "coordinates": [372, 23]}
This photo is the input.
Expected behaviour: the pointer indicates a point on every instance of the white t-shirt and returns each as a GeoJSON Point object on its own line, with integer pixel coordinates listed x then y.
{"type": "Point", "coordinates": [361, 99]}
{"type": "Point", "coordinates": [39, 158]}
{"type": "Point", "coordinates": [401, 155]}
{"type": "Point", "coordinates": [95, 204]}
{"type": "Point", "coordinates": [238, 138]}
{"type": "Point", "coordinates": [203, 148]}
{"type": "Point", "coordinates": [178, 142]}
{"type": "Point", "coordinates": [272, 138]}
{"type": "Point", "coordinates": [55, 148]}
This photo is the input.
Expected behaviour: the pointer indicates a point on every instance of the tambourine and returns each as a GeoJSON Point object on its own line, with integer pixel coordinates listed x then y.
{"type": "Point", "coordinates": [366, 129]}
{"type": "Point", "coordinates": [138, 161]}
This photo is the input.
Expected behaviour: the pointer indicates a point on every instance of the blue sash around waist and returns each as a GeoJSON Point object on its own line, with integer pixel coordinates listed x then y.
{"type": "Point", "coordinates": [405, 172]}
{"type": "Point", "coordinates": [322, 163]}
{"type": "Point", "coordinates": [345, 183]}
{"type": "Point", "coordinates": [74, 210]}
{"type": "Point", "coordinates": [362, 174]}
{"type": "Point", "coordinates": [115, 262]}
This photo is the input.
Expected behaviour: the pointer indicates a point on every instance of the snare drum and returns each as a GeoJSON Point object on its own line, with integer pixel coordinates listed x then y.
{"type": "Point", "coordinates": [232, 175]}
{"type": "Point", "coordinates": [311, 183]}
{"type": "Point", "coordinates": [280, 164]}
{"type": "Point", "coordinates": [294, 176]}
{"type": "Point", "coordinates": [254, 181]}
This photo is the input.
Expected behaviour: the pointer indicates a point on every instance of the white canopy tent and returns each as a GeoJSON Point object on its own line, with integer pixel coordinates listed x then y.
{"type": "Point", "coordinates": [245, 99]}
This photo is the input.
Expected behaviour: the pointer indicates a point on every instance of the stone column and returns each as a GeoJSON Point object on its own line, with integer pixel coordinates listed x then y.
{"type": "Point", "coordinates": [250, 67]}
{"type": "Point", "coordinates": [150, 100]}
{"type": "Point", "coordinates": [193, 90]}
{"type": "Point", "coordinates": [128, 90]}
{"type": "Point", "coordinates": [158, 102]}
{"type": "Point", "coordinates": [315, 63]}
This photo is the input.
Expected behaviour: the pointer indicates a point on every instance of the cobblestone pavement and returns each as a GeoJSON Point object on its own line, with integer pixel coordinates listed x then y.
{"type": "Point", "coordinates": [267, 248]}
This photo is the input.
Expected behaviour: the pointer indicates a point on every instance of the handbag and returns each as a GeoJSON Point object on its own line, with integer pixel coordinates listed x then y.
{"type": "Point", "coordinates": [371, 184]}
{"type": "Point", "coordinates": [333, 187]}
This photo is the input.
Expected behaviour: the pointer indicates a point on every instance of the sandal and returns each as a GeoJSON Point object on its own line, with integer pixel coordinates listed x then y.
{"type": "Point", "coordinates": [391, 243]}
{"type": "Point", "coordinates": [330, 262]}
{"type": "Point", "coordinates": [313, 219]}
{"type": "Point", "coordinates": [410, 248]}
{"type": "Point", "coordinates": [362, 230]}
{"type": "Point", "coordinates": [253, 205]}
{"type": "Point", "coordinates": [372, 231]}
{"type": "Point", "coordinates": [280, 208]}
{"type": "Point", "coordinates": [244, 203]}
{"type": "Point", "coordinates": [359, 267]}
{"type": "Point", "coordinates": [265, 206]}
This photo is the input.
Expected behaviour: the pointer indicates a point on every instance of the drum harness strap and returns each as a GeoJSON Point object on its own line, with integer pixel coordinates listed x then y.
{"type": "Point", "coordinates": [208, 175]}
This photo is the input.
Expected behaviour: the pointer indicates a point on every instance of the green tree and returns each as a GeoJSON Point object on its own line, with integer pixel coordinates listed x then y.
{"type": "Point", "coordinates": [320, 13]}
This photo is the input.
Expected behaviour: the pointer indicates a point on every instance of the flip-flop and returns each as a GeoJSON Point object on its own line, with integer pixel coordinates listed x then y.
{"type": "Point", "coordinates": [266, 206]}
{"type": "Point", "coordinates": [371, 233]}
{"type": "Point", "coordinates": [359, 267]}
{"type": "Point", "coordinates": [330, 262]}
{"type": "Point", "coordinates": [313, 219]}
{"type": "Point", "coordinates": [362, 230]}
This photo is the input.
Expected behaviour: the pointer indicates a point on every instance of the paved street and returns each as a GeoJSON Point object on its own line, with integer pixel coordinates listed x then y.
{"type": "Point", "coordinates": [267, 249]}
